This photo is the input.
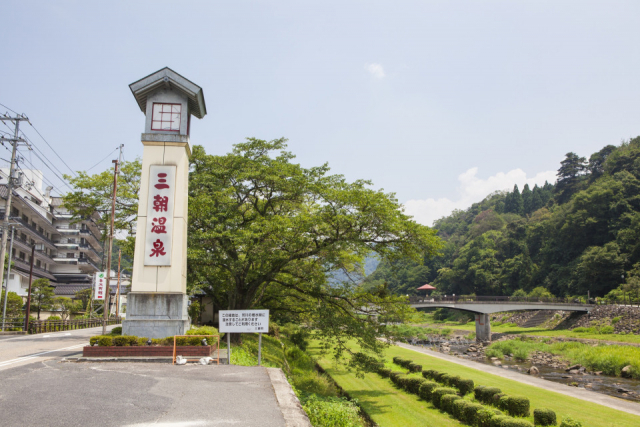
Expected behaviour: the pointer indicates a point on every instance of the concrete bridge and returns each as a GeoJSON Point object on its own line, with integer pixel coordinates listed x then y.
{"type": "Point", "coordinates": [483, 306]}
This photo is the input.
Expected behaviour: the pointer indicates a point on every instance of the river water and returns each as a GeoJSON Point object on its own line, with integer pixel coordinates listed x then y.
{"type": "Point", "coordinates": [624, 388]}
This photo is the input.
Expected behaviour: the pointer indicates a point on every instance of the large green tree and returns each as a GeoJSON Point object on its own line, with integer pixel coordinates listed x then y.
{"type": "Point", "coordinates": [265, 232]}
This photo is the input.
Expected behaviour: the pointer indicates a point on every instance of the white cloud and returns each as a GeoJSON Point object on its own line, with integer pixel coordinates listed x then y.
{"type": "Point", "coordinates": [375, 70]}
{"type": "Point", "coordinates": [471, 190]}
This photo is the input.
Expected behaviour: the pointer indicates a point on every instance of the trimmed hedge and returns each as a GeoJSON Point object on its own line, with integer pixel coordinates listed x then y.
{"type": "Point", "coordinates": [413, 384]}
{"type": "Point", "coordinates": [483, 417]}
{"type": "Point", "coordinates": [470, 414]}
{"type": "Point", "coordinates": [485, 394]}
{"type": "Point", "coordinates": [430, 374]}
{"type": "Point", "coordinates": [438, 393]}
{"type": "Point", "coordinates": [570, 422]}
{"type": "Point", "coordinates": [516, 422]}
{"type": "Point", "coordinates": [105, 341]}
{"type": "Point", "coordinates": [458, 408]}
{"type": "Point", "coordinates": [465, 386]}
{"type": "Point", "coordinates": [499, 420]}
{"type": "Point", "coordinates": [414, 367]}
{"type": "Point", "coordinates": [518, 406]}
{"type": "Point", "coordinates": [125, 340]}
{"type": "Point", "coordinates": [426, 390]}
{"type": "Point", "coordinates": [447, 401]}
{"type": "Point", "coordinates": [384, 372]}
{"type": "Point", "coordinates": [500, 401]}
{"type": "Point", "coordinates": [544, 417]}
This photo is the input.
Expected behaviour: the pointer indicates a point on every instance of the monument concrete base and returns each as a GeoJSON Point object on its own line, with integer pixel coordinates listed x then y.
{"type": "Point", "coordinates": [156, 315]}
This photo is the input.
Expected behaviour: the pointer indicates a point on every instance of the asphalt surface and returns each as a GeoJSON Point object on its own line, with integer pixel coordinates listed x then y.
{"type": "Point", "coordinates": [19, 350]}
{"type": "Point", "coordinates": [55, 393]}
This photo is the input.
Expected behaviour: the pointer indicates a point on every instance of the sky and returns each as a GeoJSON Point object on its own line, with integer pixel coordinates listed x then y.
{"type": "Point", "coordinates": [439, 102]}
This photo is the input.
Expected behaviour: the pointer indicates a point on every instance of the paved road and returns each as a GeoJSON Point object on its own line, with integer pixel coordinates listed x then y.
{"type": "Point", "coordinates": [580, 393]}
{"type": "Point", "coordinates": [18, 350]}
{"type": "Point", "coordinates": [54, 393]}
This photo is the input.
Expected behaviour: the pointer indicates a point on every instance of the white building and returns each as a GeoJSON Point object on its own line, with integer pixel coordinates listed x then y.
{"type": "Point", "coordinates": [70, 253]}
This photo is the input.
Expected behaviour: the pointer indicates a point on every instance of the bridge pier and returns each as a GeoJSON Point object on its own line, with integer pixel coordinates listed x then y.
{"type": "Point", "coordinates": [483, 327]}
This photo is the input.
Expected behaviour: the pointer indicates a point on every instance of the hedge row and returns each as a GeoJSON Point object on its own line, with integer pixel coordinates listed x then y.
{"type": "Point", "coordinates": [450, 399]}
{"type": "Point", "coordinates": [407, 364]}
{"type": "Point", "coordinates": [129, 340]}
{"type": "Point", "coordinates": [463, 386]}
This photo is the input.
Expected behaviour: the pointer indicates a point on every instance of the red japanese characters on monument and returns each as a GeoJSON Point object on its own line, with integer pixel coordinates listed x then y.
{"type": "Point", "coordinates": [160, 215]}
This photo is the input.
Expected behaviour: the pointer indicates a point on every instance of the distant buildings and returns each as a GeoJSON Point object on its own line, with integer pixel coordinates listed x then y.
{"type": "Point", "coordinates": [70, 253]}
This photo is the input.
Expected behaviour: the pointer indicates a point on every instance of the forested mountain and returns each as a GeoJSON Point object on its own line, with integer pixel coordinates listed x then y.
{"type": "Point", "coordinates": [580, 234]}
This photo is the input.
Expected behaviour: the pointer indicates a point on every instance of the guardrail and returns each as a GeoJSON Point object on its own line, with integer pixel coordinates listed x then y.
{"type": "Point", "coordinates": [42, 326]}
{"type": "Point", "coordinates": [523, 300]}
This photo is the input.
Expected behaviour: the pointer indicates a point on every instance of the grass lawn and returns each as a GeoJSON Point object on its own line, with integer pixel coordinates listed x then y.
{"type": "Point", "coordinates": [389, 406]}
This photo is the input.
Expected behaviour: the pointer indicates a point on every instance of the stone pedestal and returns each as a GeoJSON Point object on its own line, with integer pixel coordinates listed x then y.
{"type": "Point", "coordinates": [156, 315]}
{"type": "Point", "coordinates": [483, 327]}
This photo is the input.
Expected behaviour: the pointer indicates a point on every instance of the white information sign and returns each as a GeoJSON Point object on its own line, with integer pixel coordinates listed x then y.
{"type": "Point", "coordinates": [162, 183]}
{"type": "Point", "coordinates": [244, 321]}
{"type": "Point", "coordinates": [100, 285]}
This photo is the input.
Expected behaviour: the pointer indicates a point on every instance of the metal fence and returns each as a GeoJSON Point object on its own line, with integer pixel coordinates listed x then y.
{"type": "Point", "coordinates": [41, 326]}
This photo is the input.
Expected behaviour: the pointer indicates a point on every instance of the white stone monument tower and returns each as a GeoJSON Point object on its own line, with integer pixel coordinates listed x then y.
{"type": "Point", "coordinates": [157, 303]}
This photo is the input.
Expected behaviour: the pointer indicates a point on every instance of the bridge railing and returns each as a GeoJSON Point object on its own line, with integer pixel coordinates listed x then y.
{"type": "Point", "coordinates": [496, 299]}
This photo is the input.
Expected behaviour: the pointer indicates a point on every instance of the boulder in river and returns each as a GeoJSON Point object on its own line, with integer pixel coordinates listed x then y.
{"type": "Point", "coordinates": [533, 371]}
{"type": "Point", "coordinates": [626, 372]}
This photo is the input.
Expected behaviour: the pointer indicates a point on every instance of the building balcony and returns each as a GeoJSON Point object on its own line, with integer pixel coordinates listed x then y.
{"type": "Point", "coordinates": [65, 230]}
{"type": "Point", "coordinates": [66, 245]}
{"type": "Point", "coordinates": [90, 251]}
{"type": "Point", "coordinates": [88, 262]}
{"type": "Point", "coordinates": [32, 231]}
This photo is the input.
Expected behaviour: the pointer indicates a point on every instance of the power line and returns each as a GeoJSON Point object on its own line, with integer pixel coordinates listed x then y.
{"type": "Point", "coordinates": [54, 151]}
{"type": "Point", "coordinates": [102, 160]}
{"type": "Point", "coordinates": [9, 109]}
{"type": "Point", "coordinates": [45, 179]}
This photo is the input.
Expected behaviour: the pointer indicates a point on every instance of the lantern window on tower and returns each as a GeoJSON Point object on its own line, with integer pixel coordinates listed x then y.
{"type": "Point", "coordinates": [166, 117]}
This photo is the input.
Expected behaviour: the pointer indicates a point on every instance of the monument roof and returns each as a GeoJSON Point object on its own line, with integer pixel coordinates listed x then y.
{"type": "Point", "coordinates": [169, 78]}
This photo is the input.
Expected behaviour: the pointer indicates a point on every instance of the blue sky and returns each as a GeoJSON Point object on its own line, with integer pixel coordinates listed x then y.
{"type": "Point", "coordinates": [439, 102]}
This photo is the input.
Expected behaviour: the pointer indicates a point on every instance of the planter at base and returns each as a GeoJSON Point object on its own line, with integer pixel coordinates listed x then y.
{"type": "Point", "coordinates": [148, 351]}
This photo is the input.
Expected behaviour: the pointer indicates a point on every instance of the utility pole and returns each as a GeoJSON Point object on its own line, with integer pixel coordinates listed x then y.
{"type": "Point", "coordinates": [113, 213]}
{"type": "Point", "coordinates": [118, 291]}
{"type": "Point", "coordinates": [26, 317]}
{"type": "Point", "coordinates": [7, 210]}
{"type": "Point", "coordinates": [6, 292]}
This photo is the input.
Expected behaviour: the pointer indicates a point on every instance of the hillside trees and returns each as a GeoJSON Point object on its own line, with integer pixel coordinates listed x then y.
{"type": "Point", "coordinates": [264, 232]}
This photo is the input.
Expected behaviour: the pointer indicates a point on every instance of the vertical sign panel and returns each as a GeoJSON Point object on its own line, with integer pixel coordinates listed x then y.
{"type": "Point", "coordinates": [99, 285]}
{"type": "Point", "coordinates": [162, 183]}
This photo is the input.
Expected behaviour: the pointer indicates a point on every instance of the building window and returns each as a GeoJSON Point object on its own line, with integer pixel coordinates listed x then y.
{"type": "Point", "coordinates": [70, 255]}
{"type": "Point", "coordinates": [25, 218]}
{"type": "Point", "coordinates": [22, 255]}
{"type": "Point", "coordinates": [166, 117]}
{"type": "Point", "coordinates": [38, 263]}
{"type": "Point", "coordinates": [15, 212]}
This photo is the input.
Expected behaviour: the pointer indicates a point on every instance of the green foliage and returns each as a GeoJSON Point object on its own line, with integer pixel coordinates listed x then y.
{"type": "Point", "coordinates": [499, 420]}
{"type": "Point", "coordinates": [570, 422]}
{"type": "Point", "coordinates": [447, 401]}
{"type": "Point", "coordinates": [124, 340]}
{"type": "Point", "coordinates": [438, 393]}
{"type": "Point", "coordinates": [465, 386]}
{"type": "Point", "coordinates": [194, 311]}
{"type": "Point", "coordinates": [264, 232]}
{"type": "Point", "coordinates": [41, 295]}
{"type": "Point", "coordinates": [53, 318]}
{"type": "Point", "coordinates": [485, 394]}
{"type": "Point", "coordinates": [540, 292]}
{"type": "Point", "coordinates": [544, 417]}
{"type": "Point", "coordinates": [116, 331]}
{"type": "Point", "coordinates": [205, 330]}
{"type": "Point", "coordinates": [483, 417]}
{"type": "Point", "coordinates": [516, 422]}
{"type": "Point", "coordinates": [14, 305]}
{"type": "Point", "coordinates": [426, 390]}
{"type": "Point", "coordinates": [518, 406]}
{"type": "Point", "coordinates": [332, 412]}
{"type": "Point", "coordinates": [104, 341]}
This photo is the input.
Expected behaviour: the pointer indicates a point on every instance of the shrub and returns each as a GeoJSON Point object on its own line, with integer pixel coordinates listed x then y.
{"type": "Point", "coordinates": [458, 407]}
{"type": "Point", "coordinates": [142, 341]}
{"type": "Point", "coordinates": [52, 318]}
{"type": "Point", "coordinates": [413, 384]}
{"type": "Point", "coordinates": [105, 341]}
{"type": "Point", "coordinates": [124, 340]}
{"type": "Point", "coordinates": [394, 376]}
{"type": "Point", "coordinates": [465, 386]}
{"type": "Point", "coordinates": [615, 320]}
{"type": "Point", "coordinates": [439, 377]}
{"type": "Point", "coordinates": [445, 379]}
{"type": "Point", "coordinates": [205, 330]}
{"type": "Point", "coordinates": [499, 420]}
{"type": "Point", "coordinates": [486, 395]}
{"type": "Point", "coordinates": [483, 417]}
{"type": "Point", "coordinates": [501, 401]}
{"type": "Point", "coordinates": [446, 402]}
{"type": "Point", "coordinates": [426, 390]}
{"type": "Point", "coordinates": [477, 392]}
{"type": "Point", "coordinates": [430, 374]}
{"type": "Point", "coordinates": [518, 406]}
{"type": "Point", "coordinates": [606, 330]}
{"type": "Point", "coordinates": [570, 422]}
{"type": "Point", "coordinates": [453, 381]}
{"type": "Point", "coordinates": [332, 412]}
{"type": "Point", "coordinates": [470, 412]}
{"type": "Point", "coordinates": [384, 372]}
{"type": "Point", "coordinates": [397, 360]}
{"type": "Point", "coordinates": [438, 393]}
{"type": "Point", "coordinates": [117, 330]}
{"type": "Point", "coordinates": [544, 417]}
{"type": "Point", "coordinates": [516, 422]}
{"type": "Point", "coordinates": [413, 367]}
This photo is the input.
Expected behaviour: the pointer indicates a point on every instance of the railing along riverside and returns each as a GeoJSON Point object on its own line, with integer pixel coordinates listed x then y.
{"type": "Point", "coordinates": [42, 326]}
{"type": "Point", "coordinates": [524, 300]}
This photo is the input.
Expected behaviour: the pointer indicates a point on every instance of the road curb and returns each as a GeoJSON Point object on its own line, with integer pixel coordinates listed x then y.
{"type": "Point", "coordinates": [141, 359]}
{"type": "Point", "coordinates": [290, 406]}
